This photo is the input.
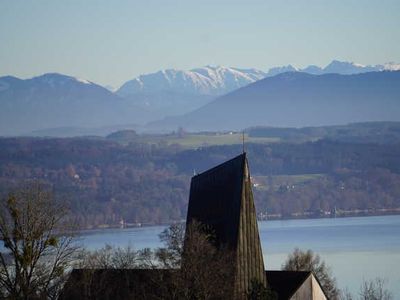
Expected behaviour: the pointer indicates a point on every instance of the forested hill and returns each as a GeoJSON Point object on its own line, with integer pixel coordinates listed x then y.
{"type": "Point", "coordinates": [149, 183]}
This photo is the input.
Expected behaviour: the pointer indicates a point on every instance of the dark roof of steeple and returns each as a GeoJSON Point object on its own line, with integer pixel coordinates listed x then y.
{"type": "Point", "coordinates": [215, 197]}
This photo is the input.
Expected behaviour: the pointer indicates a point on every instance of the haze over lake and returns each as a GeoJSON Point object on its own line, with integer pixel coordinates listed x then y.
{"type": "Point", "coordinates": [356, 248]}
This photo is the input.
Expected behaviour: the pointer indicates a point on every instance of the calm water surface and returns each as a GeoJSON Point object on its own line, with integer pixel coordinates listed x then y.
{"type": "Point", "coordinates": [355, 248]}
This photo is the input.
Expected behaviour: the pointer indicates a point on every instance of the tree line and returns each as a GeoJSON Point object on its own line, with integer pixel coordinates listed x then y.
{"type": "Point", "coordinates": [104, 182]}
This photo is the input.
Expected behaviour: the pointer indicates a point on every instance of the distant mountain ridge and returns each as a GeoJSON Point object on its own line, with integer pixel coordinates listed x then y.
{"type": "Point", "coordinates": [336, 67]}
{"type": "Point", "coordinates": [219, 80]}
{"type": "Point", "coordinates": [55, 100]}
{"type": "Point", "coordinates": [348, 68]}
{"type": "Point", "coordinates": [59, 104]}
{"type": "Point", "coordinates": [171, 92]}
{"type": "Point", "coordinates": [297, 99]}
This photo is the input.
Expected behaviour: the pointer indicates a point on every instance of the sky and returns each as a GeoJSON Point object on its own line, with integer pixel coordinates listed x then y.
{"type": "Point", "coordinates": [110, 42]}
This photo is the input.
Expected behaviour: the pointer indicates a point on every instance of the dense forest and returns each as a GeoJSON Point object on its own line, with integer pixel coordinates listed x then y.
{"type": "Point", "coordinates": [104, 181]}
{"type": "Point", "coordinates": [367, 132]}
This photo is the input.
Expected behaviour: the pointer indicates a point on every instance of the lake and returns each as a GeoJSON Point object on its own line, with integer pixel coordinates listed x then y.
{"type": "Point", "coordinates": [355, 248]}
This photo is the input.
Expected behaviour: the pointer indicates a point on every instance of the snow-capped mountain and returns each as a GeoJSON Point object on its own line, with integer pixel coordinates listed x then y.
{"type": "Point", "coordinates": [172, 92]}
{"type": "Point", "coordinates": [219, 80]}
{"type": "Point", "coordinates": [209, 80]}
{"type": "Point", "coordinates": [348, 68]}
{"type": "Point", "coordinates": [336, 67]}
{"type": "Point", "coordinates": [278, 70]}
{"type": "Point", "coordinates": [313, 69]}
{"type": "Point", "coordinates": [297, 99]}
{"type": "Point", "coordinates": [390, 66]}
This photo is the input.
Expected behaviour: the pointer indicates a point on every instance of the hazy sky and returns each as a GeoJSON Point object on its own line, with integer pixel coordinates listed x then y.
{"type": "Point", "coordinates": [110, 42]}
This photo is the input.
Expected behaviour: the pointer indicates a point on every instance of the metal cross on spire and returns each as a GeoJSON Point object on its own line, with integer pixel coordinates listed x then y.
{"type": "Point", "coordinates": [243, 140]}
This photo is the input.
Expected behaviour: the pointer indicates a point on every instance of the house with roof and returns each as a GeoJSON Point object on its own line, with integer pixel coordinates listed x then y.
{"type": "Point", "coordinates": [295, 285]}
{"type": "Point", "coordinates": [221, 198]}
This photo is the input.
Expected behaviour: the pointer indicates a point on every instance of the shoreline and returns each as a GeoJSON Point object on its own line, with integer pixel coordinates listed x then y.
{"type": "Point", "coordinates": [343, 214]}
{"type": "Point", "coordinates": [329, 215]}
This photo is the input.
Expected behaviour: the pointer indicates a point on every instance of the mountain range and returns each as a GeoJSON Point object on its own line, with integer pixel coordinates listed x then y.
{"type": "Point", "coordinates": [57, 104]}
{"type": "Point", "coordinates": [219, 80]}
{"type": "Point", "coordinates": [297, 99]}
{"type": "Point", "coordinates": [171, 92]}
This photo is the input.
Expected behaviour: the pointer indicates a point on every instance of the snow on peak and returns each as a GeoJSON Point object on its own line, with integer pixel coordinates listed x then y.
{"type": "Point", "coordinates": [335, 66]}
{"type": "Point", "coordinates": [208, 80]}
{"type": "Point", "coordinates": [54, 79]}
{"type": "Point", "coordinates": [391, 66]}
{"type": "Point", "coordinates": [344, 67]}
{"type": "Point", "coordinates": [82, 80]}
{"type": "Point", "coordinates": [278, 70]}
{"type": "Point", "coordinates": [358, 65]}
{"type": "Point", "coordinates": [312, 69]}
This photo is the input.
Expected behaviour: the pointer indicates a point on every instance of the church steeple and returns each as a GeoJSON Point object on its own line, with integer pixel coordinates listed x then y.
{"type": "Point", "coordinates": [222, 199]}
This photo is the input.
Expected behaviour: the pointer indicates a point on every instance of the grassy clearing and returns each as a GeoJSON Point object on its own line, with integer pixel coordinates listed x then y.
{"type": "Point", "coordinates": [292, 178]}
{"type": "Point", "coordinates": [276, 181]}
{"type": "Point", "coordinates": [202, 140]}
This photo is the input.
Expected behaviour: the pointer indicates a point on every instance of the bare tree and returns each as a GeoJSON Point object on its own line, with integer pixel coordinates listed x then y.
{"type": "Point", "coordinates": [190, 266]}
{"type": "Point", "coordinates": [345, 294]}
{"type": "Point", "coordinates": [300, 260]}
{"type": "Point", "coordinates": [369, 290]}
{"type": "Point", "coordinates": [110, 257]}
{"type": "Point", "coordinates": [173, 238]}
{"type": "Point", "coordinates": [38, 247]}
{"type": "Point", "coordinates": [374, 290]}
{"type": "Point", "coordinates": [194, 269]}
{"type": "Point", "coordinates": [206, 269]}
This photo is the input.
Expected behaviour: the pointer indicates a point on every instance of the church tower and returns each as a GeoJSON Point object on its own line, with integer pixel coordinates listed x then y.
{"type": "Point", "coordinates": [222, 199]}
